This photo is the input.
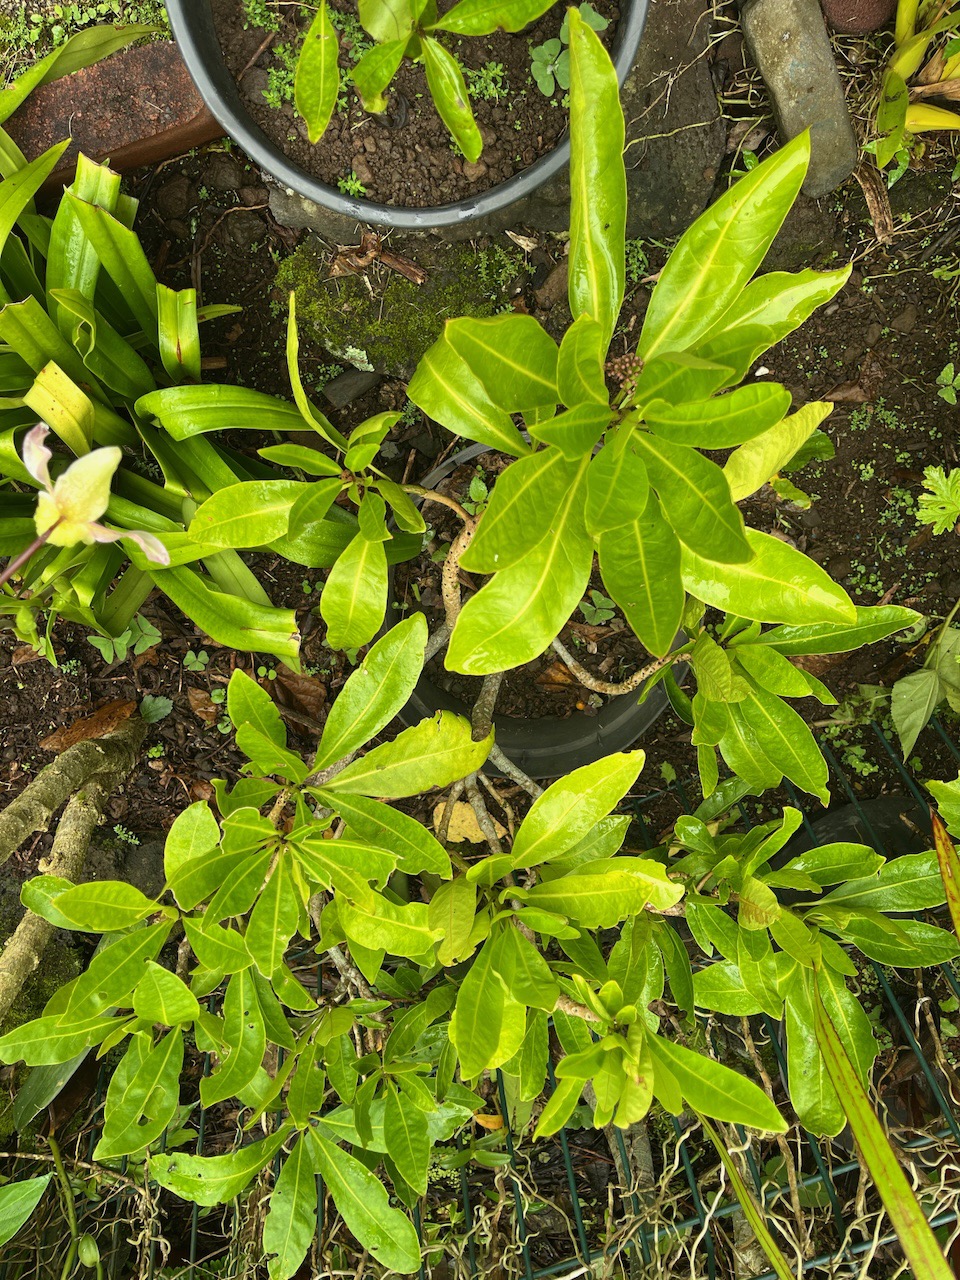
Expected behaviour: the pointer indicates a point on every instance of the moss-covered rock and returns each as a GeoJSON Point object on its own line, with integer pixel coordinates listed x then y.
{"type": "Point", "coordinates": [389, 323]}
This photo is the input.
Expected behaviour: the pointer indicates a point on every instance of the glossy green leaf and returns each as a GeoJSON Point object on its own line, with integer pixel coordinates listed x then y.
{"type": "Point", "coordinates": [273, 921]}
{"type": "Point", "coordinates": [244, 1041]}
{"type": "Point", "coordinates": [772, 306]}
{"type": "Point", "coordinates": [760, 459]}
{"type": "Point", "coordinates": [617, 488]}
{"type": "Point", "coordinates": [512, 356]}
{"type": "Point", "coordinates": [123, 258]}
{"type": "Point", "coordinates": [891, 116]}
{"type": "Point", "coordinates": [515, 616]}
{"type": "Point", "coordinates": [345, 864]}
{"type": "Point", "coordinates": [216, 947]}
{"type": "Point", "coordinates": [916, 945]}
{"type": "Point", "coordinates": [248, 703]}
{"type": "Point", "coordinates": [873, 623]}
{"type": "Point", "coordinates": [194, 410]}
{"type": "Point", "coordinates": [600, 894]}
{"type": "Point", "coordinates": [250, 514]}
{"type": "Point", "coordinates": [411, 843]}
{"type": "Point", "coordinates": [17, 1202]}
{"type": "Point", "coordinates": [113, 973]}
{"type": "Point", "coordinates": [163, 997]}
{"type": "Point", "coordinates": [742, 751]}
{"type": "Point", "coordinates": [449, 393]}
{"type": "Point", "coordinates": [914, 1233]}
{"type": "Point", "coordinates": [238, 624]}
{"type": "Point", "coordinates": [715, 258]}
{"type": "Point", "coordinates": [401, 929]}
{"type": "Point", "coordinates": [488, 1025]}
{"type": "Point", "coordinates": [179, 335]}
{"type": "Point", "coordinates": [598, 183]}
{"type": "Point", "coordinates": [914, 699]}
{"type": "Point", "coordinates": [312, 461]}
{"type": "Point", "coordinates": [364, 1205]}
{"type": "Point", "coordinates": [575, 431]}
{"type": "Point", "coordinates": [722, 421]}
{"type": "Point", "coordinates": [317, 81]}
{"type": "Point", "coordinates": [209, 1180]}
{"type": "Point", "coordinates": [720, 987]}
{"type": "Point", "coordinates": [354, 597]}
{"type": "Point", "coordinates": [449, 92]}
{"type": "Point", "coordinates": [785, 740]}
{"type": "Point", "coordinates": [406, 1139]}
{"type": "Point", "coordinates": [17, 192]}
{"type": "Point", "coordinates": [695, 498]}
{"type": "Point", "coordinates": [375, 692]}
{"type": "Point", "coordinates": [581, 375]}
{"type": "Point", "coordinates": [291, 1221]}
{"type": "Point", "coordinates": [677, 376]}
{"type": "Point", "coordinates": [142, 1097]}
{"type": "Point", "coordinates": [305, 407]}
{"type": "Point", "coordinates": [46, 1041]}
{"type": "Point", "coordinates": [376, 68]}
{"type": "Point", "coordinates": [911, 883]}
{"type": "Point", "coordinates": [716, 1090]}
{"type": "Point", "coordinates": [559, 1107]}
{"type": "Point", "coordinates": [194, 832]}
{"type": "Point", "coordinates": [780, 584]}
{"type": "Point", "coordinates": [432, 753]}
{"type": "Point", "coordinates": [837, 862]}
{"type": "Point", "coordinates": [640, 566]}
{"type": "Point", "coordinates": [452, 911]}
{"type": "Point", "coordinates": [483, 17]}
{"type": "Point", "coordinates": [103, 906]}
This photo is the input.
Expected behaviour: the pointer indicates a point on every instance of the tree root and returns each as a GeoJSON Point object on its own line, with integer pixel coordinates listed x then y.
{"type": "Point", "coordinates": [606, 686]}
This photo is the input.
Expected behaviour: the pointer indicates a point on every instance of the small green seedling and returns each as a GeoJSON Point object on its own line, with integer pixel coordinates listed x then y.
{"type": "Point", "coordinates": [154, 708]}
{"type": "Point", "coordinates": [941, 505]}
{"type": "Point", "coordinates": [139, 636]}
{"type": "Point", "coordinates": [267, 673]}
{"type": "Point", "coordinates": [948, 382]}
{"type": "Point", "coordinates": [196, 660]}
{"type": "Point", "coordinates": [550, 61]}
{"type": "Point", "coordinates": [598, 609]}
{"type": "Point", "coordinates": [479, 494]}
{"type": "Point", "coordinates": [351, 186]}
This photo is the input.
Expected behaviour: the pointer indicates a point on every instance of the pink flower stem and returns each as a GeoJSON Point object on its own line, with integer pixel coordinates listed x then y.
{"type": "Point", "coordinates": [19, 561]}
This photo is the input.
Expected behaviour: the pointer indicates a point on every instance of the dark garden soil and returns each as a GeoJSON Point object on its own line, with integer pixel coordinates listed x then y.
{"type": "Point", "coordinates": [405, 156]}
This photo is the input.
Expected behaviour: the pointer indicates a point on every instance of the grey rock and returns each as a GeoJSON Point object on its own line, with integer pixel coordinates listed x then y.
{"type": "Point", "coordinates": [675, 141]}
{"type": "Point", "coordinates": [245, 230]}
{"type": "Point", "coordinates": [175, 198]}
{"type": "Point", "coordinates": [789, 43]}
{"type": "Point", "coordinates": [223, 173]}
{"type": "Point", "coordinates": [873, 335]}
{"type": "Point", "coordinates": [349, 386]}
{"type": "Point", "coordinates": [906, 321]}
{"type": "Point", "coordinates": [554, 288]}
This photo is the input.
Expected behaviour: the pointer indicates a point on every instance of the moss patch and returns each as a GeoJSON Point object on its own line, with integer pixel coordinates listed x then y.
{"type": "Point", "coordinates": [389, 325]}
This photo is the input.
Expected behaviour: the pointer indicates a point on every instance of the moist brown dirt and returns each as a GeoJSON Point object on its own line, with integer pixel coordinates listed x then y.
{"type": "Point", "coordinates": [406, 156]}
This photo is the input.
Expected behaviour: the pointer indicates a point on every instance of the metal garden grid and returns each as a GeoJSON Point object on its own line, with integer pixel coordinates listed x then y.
{"type": "Point", "coordinates": [638, 1248]}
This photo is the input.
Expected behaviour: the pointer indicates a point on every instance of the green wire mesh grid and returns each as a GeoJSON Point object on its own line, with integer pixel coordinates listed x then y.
{"type": "Point", "coordinates": [678, 1218]}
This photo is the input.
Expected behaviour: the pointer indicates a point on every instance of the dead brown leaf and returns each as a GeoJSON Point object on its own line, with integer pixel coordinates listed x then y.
{"type": "Point", "coordinates": [202, 706]}
{"type": "Point", "coordinates": [200, 789]}
{"type": "Point", "coordinates": [875, 193]}
{"type": "Point", "coordinates": [300, 695]}
{"type": "Point", "coordinates": [24, 653]}
{"type": "Point", "coordinates": [489, 1122]}
{"type": "Point", "coordinates": [847, 393]}
{"type": "Point", "coordinates": [464, 826]}
{"type": "Point", "coordinates": [103, 721]}
{"type": "Point", "coordinates": [557, 675]}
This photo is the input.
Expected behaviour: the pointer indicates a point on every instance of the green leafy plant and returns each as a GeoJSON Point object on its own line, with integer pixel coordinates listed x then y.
{"type": "Point", "coordinates": [405, 29]}
{"type": "Point", "coordinates": [138, 637]}
{"type": "Point", "coordinates": [196, 661]}
{"type": "Point", "coordinates": [154, 707]}
{"type": "Point", "coordinates": [925, 62]}
{"type": "Point", "coordinates": [351, 185]}
{"type": "Point", "coordinates": [948, 382]}
{"type": "Point", "coordinates": [915, 697]}
{"type": "Point", "coordinates": [550, 61]}
{"type": "Point", "coordinates": [597, 608]}
{"type": "Point", "coordinates": [940, 506]}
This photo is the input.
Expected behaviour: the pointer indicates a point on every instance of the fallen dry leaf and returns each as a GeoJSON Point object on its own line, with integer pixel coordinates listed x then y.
{"type": "Point", "coordinates": [299, 693]}
{"type": "Point", "coordinates": [489, 1122]}
{"type": "Point", "coordinates": [24, 653]}
{"type": "Point", "coordinates": [200, 789]}
{"type": "Point", "coordinates": [464, 826]}
{"type": "Point", "coordinates": [202, 706]}
{"type": "Point", "coordinates": [103, 721]}
{"type": "Point", "coordinates": [557, 676]}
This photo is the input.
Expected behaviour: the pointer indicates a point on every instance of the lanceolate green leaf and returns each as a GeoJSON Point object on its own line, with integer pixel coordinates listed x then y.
{"type": "Point", "coordinates": [104, 905]}
{"type": "Point", "coordinates": [785, 740]}
{"type": "Point", "coordinates": [209, 1180]}
{"type": "Point", "coordinates": [913, 1231]}
{"type": "Point", "coordinates": [17, 192]}
{"type": "Point", "coordinates": [364, 1205]}
{"type": "Point", "coordinates": [754, 463]}
{"type": "Point", "coordinates": [178, 332]}
{"type": "Point", "coordinates": [779, 584]}
{"type": "Point", "coordinates": [244, 1040]}
{"type": "Point", "coordinates": [123, 258]}
{"type": "Point", "coordinates": [194, 410]}
{"type": "Point", "coordinates": [449, 92]}
{"type": "Point", "coordinates": [617, 488]}
{"type": "Point", "coordinates": [449, 393]}
{"type": "Point", "coordinates": [17, 1201]}
{"type": "Point", "coordinates": [873, 623]}
{"type": "Point", "coordinates": [375, 692]}
{"type": "Point", "coordinates": [274, 918]}
{"type": "Point", "coordinates": [45, 1041]}
{"type": "Point", "coordinates": [250, 514]}
{"type": "Point", "coordinates": [716, 1090]}
{"type": "Point", "coordinates": [512, 356]}
{"type": "Point", "coordinates": [354, 598]}
{"type": "Point", "coordinates": [640, 566]}
{"type": "Point", "coordinates": [580, 368]}
{"type": "Point", "coordinates": [375, 70]}
{"type": "Point", "coordinates": [716, 257]}
{"type": "Point", "coordinates": [600, 894]}
{"type": "Point", "coordinates": [113, 973]}
{"type": "Point", "coordinates": [721, 421]}
{"type": "Point", "coordinates": [250, 704]}
{"type": "Point", "coordinates": [482, 17]}
{"type": "Point", "coordinates": [521, 510]}
{"type": "Point", "coordinates": [488, 1024]}
{"type": "Point", "coordinates": [317, 80]}
{"type": "Point", "coordinates": [143, 1098]}
{"type": "Point", "coordinates": [407, 1140]}
{"type": "Point", "coordinates": [433, 753]}
{"type": "Point", "coordinates": [291, 1221]}
{"type": "Point", "coordinates": [598, 182]}
{"type": "Point", "coordinates": [695, 498]}
{"type": "Point", "coordinates": [163, 997]}
{"type": "Point", "coordinates": [388, 828]}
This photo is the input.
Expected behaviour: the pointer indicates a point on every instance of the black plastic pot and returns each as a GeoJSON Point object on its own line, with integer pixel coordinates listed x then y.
{"type": "Point", "coordinates": [192, 24]}
{"type": "Point", "coordinates": [550, 745]}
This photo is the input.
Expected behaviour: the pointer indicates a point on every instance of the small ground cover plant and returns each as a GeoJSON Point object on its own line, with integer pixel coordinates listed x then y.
{"type": "Point", "coordinates": [925, 63]}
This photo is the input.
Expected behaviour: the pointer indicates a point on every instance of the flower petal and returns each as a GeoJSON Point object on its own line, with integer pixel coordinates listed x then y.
{"type": "Point", "coordinates": [151, 547]}
{"type": "Point", "coordinates": [36, 455]}
{"type": "Point", "coordinates": [83, 491]}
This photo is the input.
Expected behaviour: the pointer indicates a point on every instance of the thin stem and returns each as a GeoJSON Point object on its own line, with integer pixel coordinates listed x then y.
{"type": "Point", "coordinates": [430, 495]}
{"type": "Point", "coordinates": [19, 561]}
{"type": "Point", "coordinates": [70, 1206]}
{"type": "Point", "coordinates": [606, 686]}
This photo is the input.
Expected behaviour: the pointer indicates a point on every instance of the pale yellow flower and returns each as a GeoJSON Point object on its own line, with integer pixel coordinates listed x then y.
{"type": "Point", "coordinates": [69, 508]}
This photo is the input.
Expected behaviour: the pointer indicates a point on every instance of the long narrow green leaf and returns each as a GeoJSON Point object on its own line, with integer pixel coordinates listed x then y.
{"type": "Point", "coordinates": [949, 869]}
{"type": "Point", "coordinates": [913, 1230]}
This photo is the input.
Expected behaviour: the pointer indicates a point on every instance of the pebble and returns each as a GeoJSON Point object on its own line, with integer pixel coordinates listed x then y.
{"type": "Point", "coordinates": [906, 321]}
{"type": "Point", "coordinates": [251, 196]}
{"type": "Point", "coordinates": [838, 567]}
{"type": "Point", "coordinates": [474, 171]}
{"type": "Point", "coordinates": [223, 173]}
{"type": "Point", "coordinates": [873, 335]}
{"type": "Point", "coordinates": [362, 170]}
{"type": "Point", "coordinates": [810, 519]}
{"type": "Point", "coordinates": [554, 288]}
{"type": "Point", "coordinates": [175, 198]}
